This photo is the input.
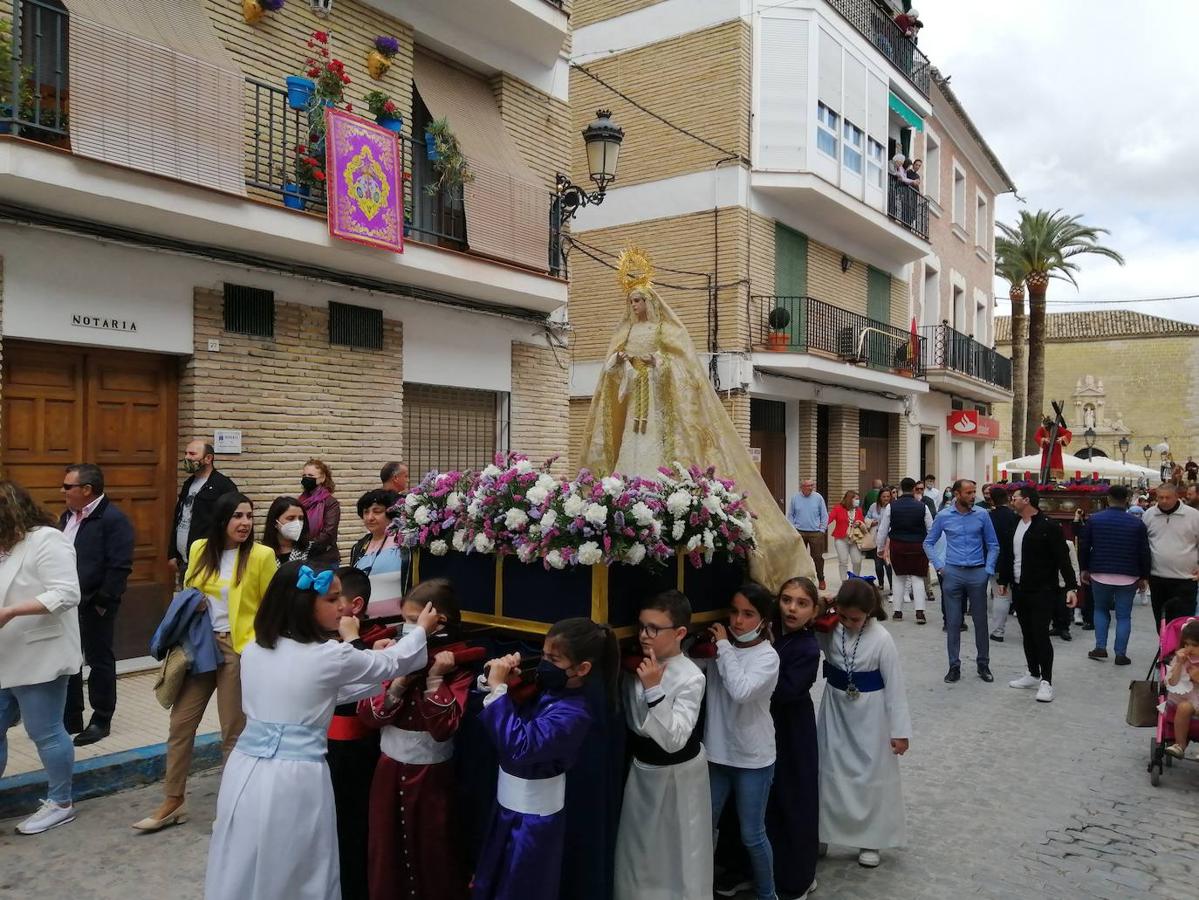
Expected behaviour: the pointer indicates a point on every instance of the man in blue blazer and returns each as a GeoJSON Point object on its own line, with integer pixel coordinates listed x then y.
{"type": "Point", "coordinates": [103, 539]}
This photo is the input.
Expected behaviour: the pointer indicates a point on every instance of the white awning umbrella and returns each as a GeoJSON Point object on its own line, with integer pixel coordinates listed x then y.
{"type": "Point", "coordinates": [1106, 467]}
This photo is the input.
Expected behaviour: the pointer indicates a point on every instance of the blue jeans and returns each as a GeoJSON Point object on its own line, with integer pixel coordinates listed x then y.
{"type": "Point", "coordinates": [959, 584]}
{"type": "Point", "coordinates": [751, 788]}
{"type": "Point", "coordinates": [1119, 597]}
{"type": "Point", "coordinates": [42, 707]}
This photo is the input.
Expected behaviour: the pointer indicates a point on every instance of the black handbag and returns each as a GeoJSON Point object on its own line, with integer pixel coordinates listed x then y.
{"type": "Point", "coordinates": [1143, 700]}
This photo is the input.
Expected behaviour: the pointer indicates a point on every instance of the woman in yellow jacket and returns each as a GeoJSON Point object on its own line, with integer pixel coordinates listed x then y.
{"type": "Point", "coordinates": [233, 573]}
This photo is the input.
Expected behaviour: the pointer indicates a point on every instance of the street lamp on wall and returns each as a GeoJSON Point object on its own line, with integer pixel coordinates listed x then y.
{"type": "Point", "coordinates": [1148, 451]}
{"type": "Point", "coordinates": [1089, 437]}
{"type": "Point", "coordinates": [602, 138]}
{"type": "Point", "coordinates": [1124, 444]}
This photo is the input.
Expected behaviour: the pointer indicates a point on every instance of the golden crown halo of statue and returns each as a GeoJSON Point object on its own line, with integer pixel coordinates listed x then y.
{"type": "Point", "coordinates": [635, 270]}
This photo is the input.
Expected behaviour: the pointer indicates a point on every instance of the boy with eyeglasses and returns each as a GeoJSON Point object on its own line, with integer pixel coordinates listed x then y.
{"type": "Point", "coordinates": [664, 844]}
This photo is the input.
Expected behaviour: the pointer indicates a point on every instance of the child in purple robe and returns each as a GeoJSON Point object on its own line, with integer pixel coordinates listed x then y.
{"type": "Point", "coordinates": [537, 742]}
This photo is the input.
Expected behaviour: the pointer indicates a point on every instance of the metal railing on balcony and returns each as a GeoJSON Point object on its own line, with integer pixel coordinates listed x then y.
{"type": "Point", "coordinates": [805, 325]}
{"type": "Point", "coordinates": [34, 94]}
{"type": "Point", "coordinates": [947, 348]}
{"type": "Point", "coordinates": [907, 206]}
{"type": "Point", "coordinates": [876, 24]}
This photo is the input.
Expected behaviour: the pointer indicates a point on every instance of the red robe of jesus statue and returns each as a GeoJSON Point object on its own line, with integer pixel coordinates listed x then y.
{"type": "Point", "coordinates": [1057, 469]}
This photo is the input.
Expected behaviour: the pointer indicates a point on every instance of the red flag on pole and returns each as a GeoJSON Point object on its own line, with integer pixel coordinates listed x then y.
{"type": "Point", "coordinates": [914, 345]}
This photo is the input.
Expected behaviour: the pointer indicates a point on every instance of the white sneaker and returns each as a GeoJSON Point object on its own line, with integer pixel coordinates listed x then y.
{"type": "Point", "coordinates": [1025, 681]}
{"type": "Point", "coordinates": [809, 892]}
{"type": "Point", "coordinates": [1045, 692]}
{"type": "Point", "coordinates": [48, 815]}
{"type": "Point", "coordinates": [869, 858]}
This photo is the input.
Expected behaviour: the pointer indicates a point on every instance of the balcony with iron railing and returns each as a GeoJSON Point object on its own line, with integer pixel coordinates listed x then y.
{"type": "Point", "coordinates": [810, 326]}
{"type": "Point", "coordinates": [907, 206]}
{"type": "Point", "coordinates": [875, 23]}
{"type": "Point", "coordinates": [958, 359]}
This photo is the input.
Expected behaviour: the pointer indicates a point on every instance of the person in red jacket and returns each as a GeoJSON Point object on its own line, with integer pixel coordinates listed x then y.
{"type": "Point", "coordinates": [849, 527]}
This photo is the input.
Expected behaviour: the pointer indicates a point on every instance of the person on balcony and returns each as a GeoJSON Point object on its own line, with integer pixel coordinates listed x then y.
{"type": "Point", "coordinates": [911, 174]}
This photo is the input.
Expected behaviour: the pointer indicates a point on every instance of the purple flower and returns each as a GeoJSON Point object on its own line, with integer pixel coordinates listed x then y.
{"type": "Point", "coordinates": [618, 518]}
{"type": "Point", "coordinates": [273, 5]}
{"type": "Point", "coordinates": [385, 44]}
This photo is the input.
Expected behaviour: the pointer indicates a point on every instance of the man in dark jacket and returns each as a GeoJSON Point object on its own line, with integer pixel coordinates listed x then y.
{"type": "Point", "coordinates": [197, 497]}
{"type": "Point", "coordinates": [1030, 564]}
{"type": "Point", "coordinates": [1114, 558]}
{"type": "Point", "coordinates": [103, 539]}
{"type": "Point", "coordinates": [1005, 520]}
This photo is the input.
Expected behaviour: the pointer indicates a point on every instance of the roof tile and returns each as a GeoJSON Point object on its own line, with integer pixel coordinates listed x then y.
{"type": "Point", "coordinates": [1103, 323]}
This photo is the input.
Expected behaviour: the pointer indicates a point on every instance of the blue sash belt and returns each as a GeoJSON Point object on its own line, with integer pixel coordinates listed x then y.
{"type": "Point", "coordinates": [865, 682]}
{"type": "Point", "coordinates": [271, 740]}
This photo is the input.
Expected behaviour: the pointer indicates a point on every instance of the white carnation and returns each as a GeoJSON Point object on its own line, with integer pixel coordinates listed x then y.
{"type": "Point", "coordinates": [523, 466]}
{"type": "Point", "coordinates": [492, 471]}
{"type": "Point", "coordinates": [439, 548]}
{"type": "Point", "coordinates": [713, 505]}
{"type": "Point", "coordinates": [635, 554]}
{"type": "Point", "coordinates": [693, 543]}
{"type": "Point", "coordinates": [453, 501]}
{"type": "Point", "coordinates": [655, 528]}
{"type": "Point", "coordinates": [555, 560]}
{"type": "Point", "coordinates": [459, 540]}
{"type": "Point", "coordinates": [537, 495]}
{"type": "Point", "coordinates": [483, 544]}
{"type": "Point", "coordinates": [596, 514]}
{"type": "Point", "coordinates": [677, 531]}
{"type": "Point", "coordinates": [546, 482]}
{"type": "Point", "coordinates": [590, 554]}
{"type": "Point", "coordinates": [474, 507]}
{"type": "Point", "coordinates": [709, 539]}
{"type": "Point", "coordinates": [747, 526]}
{"type": "Point", "coordinates": [526, 552]}
{"type": "Point", "coordinates": [678, 502]}
{"type": "Point", "coordinates": [422, 515]}
{"type": "Point", "coordinates": [574, 506]}
{"type": "Point", "coordinates": [548, 520]}
{"type": "Point", "coordinates": [515, 519]}
{"type": "Point", "coordinates": [642, 513]}
{"type": "Point", "coordinates": [613, 486]}
{"type": "Point", "coordinates": [411, 501]}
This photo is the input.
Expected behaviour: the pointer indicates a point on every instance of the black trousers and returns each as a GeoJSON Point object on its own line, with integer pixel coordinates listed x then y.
{"type": "Point", "coordinates": [95, 633]}
{"type": "Point", "coordinates": [1171, 598]}
{"type": "Point", "coordinates": [351, 769]}
{"type": "Point", "coordinates": [1034, 609]}
{"type": "Point", "coordinates": [1063, 616]}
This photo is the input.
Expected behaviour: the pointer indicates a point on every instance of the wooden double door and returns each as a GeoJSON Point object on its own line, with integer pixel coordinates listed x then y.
{"type": "Point", "coordinates": [114, 408]}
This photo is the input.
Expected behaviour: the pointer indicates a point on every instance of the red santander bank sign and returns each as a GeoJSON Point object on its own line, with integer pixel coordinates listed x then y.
{"type": "Point", "coordinates": [966, 423]}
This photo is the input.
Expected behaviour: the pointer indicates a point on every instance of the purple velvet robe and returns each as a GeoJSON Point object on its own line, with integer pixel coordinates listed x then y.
{"type": "Point", "coordinates": [521, 858]}
{"type": "Point", "coordinates": [793, 812]}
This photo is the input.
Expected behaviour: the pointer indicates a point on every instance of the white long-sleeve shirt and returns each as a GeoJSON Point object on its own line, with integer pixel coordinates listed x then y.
{"type": "Point", "coordinates": [679, 698]}
{"type": "Point", "coordinates": [739, 730]}
{"type": "Point", "coordinates": [884, 525]}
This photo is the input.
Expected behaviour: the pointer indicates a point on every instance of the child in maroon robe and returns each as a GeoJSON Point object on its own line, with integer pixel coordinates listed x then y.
{"type": "Point", "coordinates": [414, 841]}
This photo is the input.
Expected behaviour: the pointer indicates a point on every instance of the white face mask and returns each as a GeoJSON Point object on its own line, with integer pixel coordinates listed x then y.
{"type": "Point", "coordinates": [856, 503]}
{"type": "Point", "coordinates": [751, 635]}
{"type": "Point", "coordinates": [292, 530]}
{"type": "Point", "coordinates": [407, 628]}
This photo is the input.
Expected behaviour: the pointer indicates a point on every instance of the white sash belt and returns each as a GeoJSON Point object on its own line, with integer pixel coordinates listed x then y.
{"type": "Point", "coordinates": [417, 748]}
{"type": "Point", "coordinates": [531, 796]}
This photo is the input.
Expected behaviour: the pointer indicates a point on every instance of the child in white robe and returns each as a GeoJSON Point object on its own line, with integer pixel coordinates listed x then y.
{"type": "Point", "coordinates": [275, 836]}
{"type": "Point", "coordinates": [664, 844]}
{"type": "Point", "coordinates": [863, 728]}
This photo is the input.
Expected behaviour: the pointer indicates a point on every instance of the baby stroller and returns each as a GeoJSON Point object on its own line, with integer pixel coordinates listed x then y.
{"type": "Point", "coordinates": [1164, 732]}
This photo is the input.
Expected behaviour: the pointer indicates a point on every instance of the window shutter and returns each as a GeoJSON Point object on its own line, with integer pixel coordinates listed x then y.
{"type": "Point", "coordinates": [153, 88]}
{"type": "Point", "coordinates": [448, 428]}
{"type": "Point", "coordinates": [830, 71]}
{"type": "Point", "coordinates": [783, 100]}
{"type": "Point", "coordinates": [249, 311]}
{"type": "Point", "coordinates": [854, 103]}
{"type": "Point", "coordinates": [355, 326]}
{"type": "Point", "coordinates": [790, 262]}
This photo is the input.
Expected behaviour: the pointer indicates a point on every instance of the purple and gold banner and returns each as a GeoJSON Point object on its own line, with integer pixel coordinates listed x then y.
{"type": "Point", "coordinates": [365, 182]}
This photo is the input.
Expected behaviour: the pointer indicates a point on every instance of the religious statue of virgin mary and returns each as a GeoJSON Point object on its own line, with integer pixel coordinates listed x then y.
{"type": "Point", "coordinates": [654, 406]}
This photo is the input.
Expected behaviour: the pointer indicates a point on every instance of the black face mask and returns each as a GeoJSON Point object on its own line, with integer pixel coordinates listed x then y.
{"type": "Point", "coordinates": [308, 483]}
{"type": "Point", "coordinates": [550, 676]}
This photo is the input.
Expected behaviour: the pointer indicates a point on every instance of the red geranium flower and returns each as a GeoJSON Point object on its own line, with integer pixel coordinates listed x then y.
{"type": "Point", "coordinates": [321, 36]}
{"type": "Point", "coordinates": [318, 175]}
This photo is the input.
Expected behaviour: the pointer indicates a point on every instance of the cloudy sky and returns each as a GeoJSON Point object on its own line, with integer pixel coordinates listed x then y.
{"type": "Point", "coordinates": [1091, 106]}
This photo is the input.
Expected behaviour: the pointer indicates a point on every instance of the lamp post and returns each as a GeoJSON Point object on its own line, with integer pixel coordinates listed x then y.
{"type": "Point", "coordinates": [1148, 451]}
{"type": "Point", "coordinates": [602, 138]}
{"type": "Point", "coordinates": [1088, 437]}
{"type": "Point", "coordinates": [1124, 444]}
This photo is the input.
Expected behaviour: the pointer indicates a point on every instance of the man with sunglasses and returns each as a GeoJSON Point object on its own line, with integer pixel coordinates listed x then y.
{"type": "Point", "coordinates": [103, 540]}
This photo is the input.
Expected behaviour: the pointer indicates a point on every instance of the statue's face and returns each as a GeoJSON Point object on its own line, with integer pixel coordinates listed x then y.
{"type": "Point", "coordinates": [637, 301]}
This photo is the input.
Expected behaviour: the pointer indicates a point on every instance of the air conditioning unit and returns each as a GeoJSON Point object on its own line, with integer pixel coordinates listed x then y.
{"type": "Point", "coordinates": [848, 339]}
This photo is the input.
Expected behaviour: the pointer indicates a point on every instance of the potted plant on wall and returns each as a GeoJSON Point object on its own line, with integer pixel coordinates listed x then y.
{"type": "Point", "coordinates": [385, 111]}
{"type": "Point", "coordinates": [378, 61]}
{"type": "Point", "coordinates": [778, 320]}
{"type": "Point", "coordinates": [253, 10]}
{"type": "Point", "coordinates": [309, 178]}
{"type": "Point", "coordinates": [449, 163]}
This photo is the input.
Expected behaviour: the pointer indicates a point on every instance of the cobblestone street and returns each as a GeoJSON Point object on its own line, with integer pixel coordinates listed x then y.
{"type": "Point", "coordinates": [1006, 799]}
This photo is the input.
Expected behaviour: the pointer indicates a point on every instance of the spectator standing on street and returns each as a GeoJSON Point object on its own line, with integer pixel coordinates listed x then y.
{"type": "Point", "coordinates": [971, 551]}
{"type": "Point", "coordinates": [394, 476]}
{"type": "Point", "coordinates": [1192, 470]}
{"type": "Point", "coordinates": [39, 644]}
{"type": "Point", "coordinates": [232, 571]}
{"type": "Point", "coordinates": [1113, 553]}
{"type": "Point", "coordinates": [1174, 542]}
{"type": "Point", "coordinates": [197, 498]}
{"type": "Point", "coordinates": [903, 526]}
{"type": "Point", "coordinates": [876, 488]}
{"type": "Point", "coordinates": [1004, 520]}
{"type": "Point", "coordinates": [808, 513]}
{"type": "Point", "coordinates": [323, 512]}
{"type": "Point", "coordinates": [103, 541]}
{"type": "Point", "coordinates": [884, 577]}
{"type": "Point", "coordinates": [849, 526]}
{"type": "Point", "coordinates": [286, 530]}
{"type": "Point", "coordinates": [377, 552]}
{"type": "Point", "coordinates": [1031, 565]}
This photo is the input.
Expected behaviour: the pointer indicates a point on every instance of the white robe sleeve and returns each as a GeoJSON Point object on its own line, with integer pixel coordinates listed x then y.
{"type": "Point", "coordinates": [670, 722]}
{"type": "Point", "coordinates": [746, 676]}
{"type": "Point", "coordinates": [359, 674]}
{"type": "Point", "coordinates": [894, 691]}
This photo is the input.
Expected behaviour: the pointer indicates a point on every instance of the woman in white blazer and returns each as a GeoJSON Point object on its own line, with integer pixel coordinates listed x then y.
{"type": "Point", "coordinates": [39, 644]}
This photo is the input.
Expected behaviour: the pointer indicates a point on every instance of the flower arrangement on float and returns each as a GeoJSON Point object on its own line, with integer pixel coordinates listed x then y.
{"type": "Point", "coordinates": [513, 507]}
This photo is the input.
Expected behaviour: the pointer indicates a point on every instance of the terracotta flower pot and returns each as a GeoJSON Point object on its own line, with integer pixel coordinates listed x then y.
{"type": "Point", "coordinates": [377, 64]}
{"type": "Point", "coordinates": [777, 341]}
{"type": "Point", "coordinates": [251, 11]}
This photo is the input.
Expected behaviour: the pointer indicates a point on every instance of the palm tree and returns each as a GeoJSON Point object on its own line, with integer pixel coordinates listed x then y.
{"type": "Point", "coordinates": [1010, 268]}
{"type": "Point", "coordinates": [1045, 244]}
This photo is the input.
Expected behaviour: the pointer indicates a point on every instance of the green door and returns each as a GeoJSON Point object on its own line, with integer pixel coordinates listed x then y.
{"type": "Point", "coordinates": [791, 279]}
{"type": "Point", "coordinates": [878, 308]}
